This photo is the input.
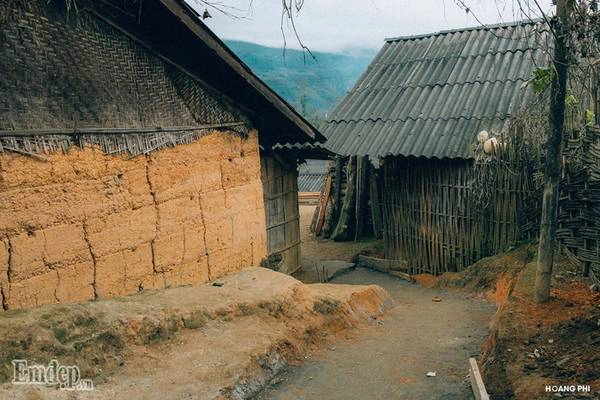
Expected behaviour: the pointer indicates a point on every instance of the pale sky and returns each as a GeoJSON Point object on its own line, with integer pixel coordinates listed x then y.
{"type": "Point", "coordinates": [339, 25]}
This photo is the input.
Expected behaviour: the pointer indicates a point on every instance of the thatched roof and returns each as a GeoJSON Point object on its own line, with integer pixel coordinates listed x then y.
{"type": "Point", "coordinates": [126, 65]}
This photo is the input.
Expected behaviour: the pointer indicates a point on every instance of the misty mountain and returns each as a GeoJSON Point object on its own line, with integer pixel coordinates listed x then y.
{"type": "Point", "coordinates": [312, 86]}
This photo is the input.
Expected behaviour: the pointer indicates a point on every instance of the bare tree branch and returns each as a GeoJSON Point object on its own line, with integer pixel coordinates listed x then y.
{"type": "Point", "coordinates": [287, 14]}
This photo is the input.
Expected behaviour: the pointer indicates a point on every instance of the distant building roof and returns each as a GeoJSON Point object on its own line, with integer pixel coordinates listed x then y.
{"type": "Point", "coordinates": [311, 175]}
{"type": "Point", "coordinates": [429, 95]}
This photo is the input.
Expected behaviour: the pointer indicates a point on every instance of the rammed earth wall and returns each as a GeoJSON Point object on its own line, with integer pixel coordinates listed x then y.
{"type": "Point", "coordinates": [84, 225]}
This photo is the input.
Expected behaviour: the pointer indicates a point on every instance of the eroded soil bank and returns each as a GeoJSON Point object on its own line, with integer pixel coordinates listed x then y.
{"type": "Point", "coordinates": [222, 340]}
{"type": "Point", "coordinates": [532, 346]}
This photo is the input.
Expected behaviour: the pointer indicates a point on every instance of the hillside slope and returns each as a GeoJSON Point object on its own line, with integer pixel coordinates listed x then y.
{"type": "Point", "coordinates": [312, 86]}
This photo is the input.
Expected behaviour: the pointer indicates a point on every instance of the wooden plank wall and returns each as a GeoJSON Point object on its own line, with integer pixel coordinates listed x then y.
{"type": "Point", "coordinates": [361, 216]}
{"type": "Point", "coordinates": [441, 215]}
{"type": "Point", "coordinates": [309, 198]}
{"type": "Point", "coordinates": [280, 187]}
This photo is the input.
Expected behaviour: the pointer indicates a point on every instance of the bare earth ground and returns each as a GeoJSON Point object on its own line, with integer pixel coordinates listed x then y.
{"type": "Point", "coordinates": [533, 346]}
{"type": "Point", "coordinates": [391, 359]}
{"type": "Point", "coordinates": [552, 344]}
{"type": "Point", "coordinates": [315, 250]}
{"type": "Point", "coordinates": [537, 345]}
{"type": "Point", "coordinates": [195, 342]}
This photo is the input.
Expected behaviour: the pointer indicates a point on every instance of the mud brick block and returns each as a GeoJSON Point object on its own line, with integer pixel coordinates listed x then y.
{"type": "Point", "coordinates": [28, 251]}
{"type": "Point", "coordinates": [75, 282]}
{"type": "Point", "coordinates": [34, 291]}
{"type": "Point", "coordinates": [66, 244]}
{"type": "Point", "coordinates": [110, 275]}
{"type": "Point", "coordinates": [4, 256]}
{"type": "Point", "coordinates": [214, 206]}
{"type": "Point", "coordinates": [173, 214]}
{"type": "Point", "coordinates": [122, 230]}
{"type": "Point", "coordinates": [137, 186]}
{"type": "Point", "coordinates": [194, 243]}
{"type": "Point", "coordinates": [139, 270]}
{"type": "Point", "coordinates": [219, 236]}
{"type": "Point", "coordinates": [168, 251]}
{"type": "Point", "coordinates": [194, 273]}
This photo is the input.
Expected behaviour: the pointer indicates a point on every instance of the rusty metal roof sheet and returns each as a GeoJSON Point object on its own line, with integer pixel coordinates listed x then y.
{"type": "Point", "coordinates": [429, 95]}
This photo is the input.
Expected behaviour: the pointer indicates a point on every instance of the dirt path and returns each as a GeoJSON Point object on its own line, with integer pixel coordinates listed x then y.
{"type": "Point", "coordinates": [391, 359]}
{"type": "Point", "coordinates": [315, 250]}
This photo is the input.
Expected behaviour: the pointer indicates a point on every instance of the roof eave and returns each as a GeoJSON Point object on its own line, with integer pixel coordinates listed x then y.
{"type": "Point", "coordinates": [191, 20]}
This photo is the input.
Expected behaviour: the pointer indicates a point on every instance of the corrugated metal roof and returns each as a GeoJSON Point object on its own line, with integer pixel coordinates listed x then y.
{"type": "Point", "coordinates": [429, 95]}
{"type": "Point", "coordinates": [299, 146]}
{"type": "Point", "coordinates": [314, 167]}
{"type": "Point", "coordinates": [311, 175]}
{"type": "Point", "coordinates": [310, 183]}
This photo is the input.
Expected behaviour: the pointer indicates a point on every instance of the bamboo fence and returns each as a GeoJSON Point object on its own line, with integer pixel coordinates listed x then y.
{"type": "Point", "coordinates": [579, 204]}
{"type": "Point", "coordinates": [443, 215]}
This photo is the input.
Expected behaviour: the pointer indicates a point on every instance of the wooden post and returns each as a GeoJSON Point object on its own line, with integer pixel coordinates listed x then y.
{"type": "Point", "coordinates": [558, 96]}
{"type": "Point", "coordinates": [343, 227]}
{"type": "Point", "coordinates": [332, 212]}
{"type": "Point", "coordinates": [337, 190]}
{"type": "Point", "coordinates": [328, 225]}
{"type": "Point", "coordinates": [375, 203]}
{"type": "Point", "coordinates": [323, 205]}
{"type": "Point", "coordinates": [476, 381]}
{"type": "Point", "coordinates": [595, 92]}
{"type": "Point", "coordinates": [362, 173]}
{"type": "Point", "coordinates": [315, 217]}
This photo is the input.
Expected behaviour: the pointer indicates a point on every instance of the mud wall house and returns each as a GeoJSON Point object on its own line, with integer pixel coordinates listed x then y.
{"type": "Point", "coordinates": [418, 111]}
{"type": "Point", "coordinates": [135, 153]}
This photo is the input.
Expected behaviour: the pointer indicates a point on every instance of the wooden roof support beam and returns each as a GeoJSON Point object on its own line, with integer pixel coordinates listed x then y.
{"type": "Point", "coordinates": [114, 131]}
